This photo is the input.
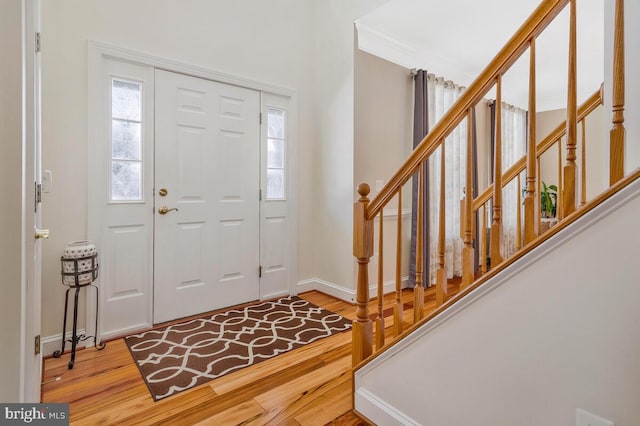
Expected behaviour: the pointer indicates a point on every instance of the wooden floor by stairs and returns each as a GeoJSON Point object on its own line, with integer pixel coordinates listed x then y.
{"type": "Point", "coordinates": [308, 386]}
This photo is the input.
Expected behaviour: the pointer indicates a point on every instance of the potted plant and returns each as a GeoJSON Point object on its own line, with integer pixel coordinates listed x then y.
{"type": "Point", "coordinates": [548, 206]}
{"type": "Point", "coordinates": [548, 200]}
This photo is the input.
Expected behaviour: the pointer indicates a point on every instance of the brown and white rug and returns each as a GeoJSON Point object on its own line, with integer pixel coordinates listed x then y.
{"type": "Point", "coordinates": [180, 356]}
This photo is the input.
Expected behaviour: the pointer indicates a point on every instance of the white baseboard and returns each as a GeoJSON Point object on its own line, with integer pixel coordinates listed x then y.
{"type": "Point", "coordinates": [343, 293]}
{"type": "Point", "coordinates": [50, 344]}
{"type": "Point", "coordinates": [335, 290]}
{"type": "Point", "coordinates": [275, 295]}
{"type": "Point", "coordinates": [379, 411]}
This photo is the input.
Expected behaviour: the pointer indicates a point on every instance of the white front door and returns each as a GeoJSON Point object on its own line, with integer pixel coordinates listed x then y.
{"type": "Point", "coordinates": [206, 222]}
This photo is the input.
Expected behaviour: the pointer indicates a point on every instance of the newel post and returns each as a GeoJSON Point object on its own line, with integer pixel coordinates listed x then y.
{"type": "Point", "coordinates": [362, 250]}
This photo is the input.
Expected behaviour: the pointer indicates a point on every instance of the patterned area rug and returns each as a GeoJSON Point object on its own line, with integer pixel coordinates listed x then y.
{"type": "Point", "coordinates": [180, 356]}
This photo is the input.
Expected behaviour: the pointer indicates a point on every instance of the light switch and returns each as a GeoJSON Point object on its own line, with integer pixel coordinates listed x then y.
{"type": "Point", "coordinates": [47, 181]}
{"type": "Point", "coordinates": [379, 185]}
{"type": "Point", "coordinates": [584, 418]}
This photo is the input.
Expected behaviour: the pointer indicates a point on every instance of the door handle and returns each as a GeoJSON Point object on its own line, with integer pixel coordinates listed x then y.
{"type": "Point", "coordinates": [41, 234]}
{"type": "Point", "coordinates": [165, 209]}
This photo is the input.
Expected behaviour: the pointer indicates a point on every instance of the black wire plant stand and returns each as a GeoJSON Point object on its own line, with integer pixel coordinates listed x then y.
{"type": "Point", "coordinates": [80, 279]}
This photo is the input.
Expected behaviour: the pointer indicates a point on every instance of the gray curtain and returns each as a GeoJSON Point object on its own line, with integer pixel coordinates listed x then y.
{"type": "Point", "coordinates": [420, 130]}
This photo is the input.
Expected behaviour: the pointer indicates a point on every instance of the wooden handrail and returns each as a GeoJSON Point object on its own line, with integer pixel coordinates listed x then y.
{"type": "Point", "coordinates": [509, 54]}
{"type": "Point", "coordinates": [586, 108]}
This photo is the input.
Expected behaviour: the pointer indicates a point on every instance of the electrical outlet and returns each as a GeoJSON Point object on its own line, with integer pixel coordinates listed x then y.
{"type": "Point", "coordinates": [584, 418]}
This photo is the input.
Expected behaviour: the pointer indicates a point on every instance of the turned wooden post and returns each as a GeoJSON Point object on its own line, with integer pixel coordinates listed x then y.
{"type": "Point", "coordinates": [518, 216]}
{"type": "Point", "coordinates": [530, 222]}
{"type": "Point", "coordinates": [569, 187]}
{"type": "Point", "coordinates": [618, 133]}
{"type": "Point", "coordinates": [583, 165]}
{"type": "Point", "coordinates": [496, 225]}
{"type": "Point", "coordinates": [483, 240]}
{"type": "Point", "coordinates": [362, 250]}
{"type": "Point", "coordinates": [560, 200]}
{"type": "Point", "coordinates": [418, 290]}
{"type": "Point", "coordinates": [398, 307]}
{"type": "Point", "coordinates": [467, 250]}
{"type": "Point", "coordinates": [441, 271]}
{"type": "Point", "coordinates": [380, 319]}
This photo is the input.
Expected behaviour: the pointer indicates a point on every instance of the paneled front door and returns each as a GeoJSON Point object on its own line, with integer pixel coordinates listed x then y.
{"type": "Point", "coordinates": [207, 180]}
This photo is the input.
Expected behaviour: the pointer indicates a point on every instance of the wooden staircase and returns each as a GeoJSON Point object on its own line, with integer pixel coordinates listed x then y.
{"type": "Point", "coordinates": [369, 341]}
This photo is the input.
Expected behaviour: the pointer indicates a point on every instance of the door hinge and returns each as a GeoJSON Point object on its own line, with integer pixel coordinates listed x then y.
{"type": "Point", "coordinates": [36, 348]}
{"type": "Point", "coordinates": [260, 194]}
{"type": "Point", "coordinates": [38, 196]}
{"type": "Point", "coordinates": [260, 119]}
{"type": "Point", "coordinates": [260, 268]}
{"type": "Point", "coordinates": [38, 43]}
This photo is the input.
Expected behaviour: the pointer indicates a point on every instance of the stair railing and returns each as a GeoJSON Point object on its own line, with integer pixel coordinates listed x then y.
{"type": "Point", "coordinates": [366, 210]}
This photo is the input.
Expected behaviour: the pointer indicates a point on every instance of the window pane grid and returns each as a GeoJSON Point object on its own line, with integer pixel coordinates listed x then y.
{"type": "Point", "coordinates": [276, 173]}
{"type": "Point", "coordinates": [126, 141]}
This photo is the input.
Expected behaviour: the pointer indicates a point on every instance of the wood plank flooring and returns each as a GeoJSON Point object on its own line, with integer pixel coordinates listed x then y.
{"type": "Point", "coordinates": [308, 386]}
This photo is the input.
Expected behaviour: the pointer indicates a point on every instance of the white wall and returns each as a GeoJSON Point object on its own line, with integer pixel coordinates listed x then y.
{"type": "Point", "coordinates": [383, 129]}
{"type": "Point", "coordinates": [334, 189]}
{"type": "Point", "coordinates": [559, 334]}
{"type": "Point", "coordinates": [11, 195]}
{"type": "Point", "coordinates": [269, 42]}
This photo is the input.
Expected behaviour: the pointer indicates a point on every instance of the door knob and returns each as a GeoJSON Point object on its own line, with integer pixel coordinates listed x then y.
{"type": "Point", "coordinates": [165, 209]}
{"type": "Point", "coordinates": [41, 233]}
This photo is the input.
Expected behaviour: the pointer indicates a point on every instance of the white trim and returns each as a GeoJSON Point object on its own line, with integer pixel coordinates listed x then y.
{"type": "Point", "coordinates": [343, 293]}
{"type": "Point", "coordinates": [379, 411]}
{"type": "Point", "coordinates": [54, 342]}
{"type": "Point", "coordinates": [158, 62]}
{"type": "Point", "coordinates": [580, 225]}
{"type": "Point", "coordinates": [276, 295]}
{"type": "Point", "coordinates": [335, 290]}
{"type": "Point", "coordinates": [376, 43]}
{"type": "Point", "coordinates": [124, 331]}
{"type": "Point", "coordinates": [30, 365]}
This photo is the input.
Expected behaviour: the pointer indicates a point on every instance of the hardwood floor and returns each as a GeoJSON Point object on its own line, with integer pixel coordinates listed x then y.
{"type": "Point", "coordinates": [308, 386]}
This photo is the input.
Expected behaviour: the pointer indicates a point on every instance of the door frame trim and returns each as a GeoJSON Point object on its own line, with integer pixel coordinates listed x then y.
{"type": "Point", "coordinates": [96, 51]}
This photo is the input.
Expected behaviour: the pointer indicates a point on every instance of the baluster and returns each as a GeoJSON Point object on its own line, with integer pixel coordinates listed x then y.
{"type": "Point", "coordinates": [483, 240]}
{"type": "Point", "coordinates": [362, 250]}
{"type": "Point", "coordinates": [538, 205]}
{"type": "Point", "coordinates": [496, 225]}
{"type": "Point", "coordinates": [418, 290]}
{"type": "Point", "coordinates": [530, 230]}
{"type": "Point", "coordinates": [518, 217]}
{"type": "Point", "coordinates": [441, 272]}
{"type": "Point", "coordinates": [569, 187]}
{"type": "Point", "coordinates": [467, 251]}
{"type": "Point", "coordinates": [618, 133]}
{"type": "Point", "coordinates": [380, 319]}
{"type": "Point", "coordinates": [398, 307]}
{"type": "Point", "coordinates": [583, 168]}
{"type": "Point", "coordinates": [561, 188]}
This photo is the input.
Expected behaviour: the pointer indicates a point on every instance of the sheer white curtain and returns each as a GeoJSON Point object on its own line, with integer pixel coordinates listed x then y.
{"type": "Point", "coordinates": [514, 142]}
{"type": "Point", "coordinates": [442, 94]}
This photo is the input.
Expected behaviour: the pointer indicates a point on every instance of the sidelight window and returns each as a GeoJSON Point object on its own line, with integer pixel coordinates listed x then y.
{"type": "Point", "coordinates": [276, 146]}
{"type": "Point", "coordinates": [126, 140]}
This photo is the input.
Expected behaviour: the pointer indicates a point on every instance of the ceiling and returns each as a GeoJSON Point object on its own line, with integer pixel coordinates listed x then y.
{"type": "Point", "coordinates": [456, 39]}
